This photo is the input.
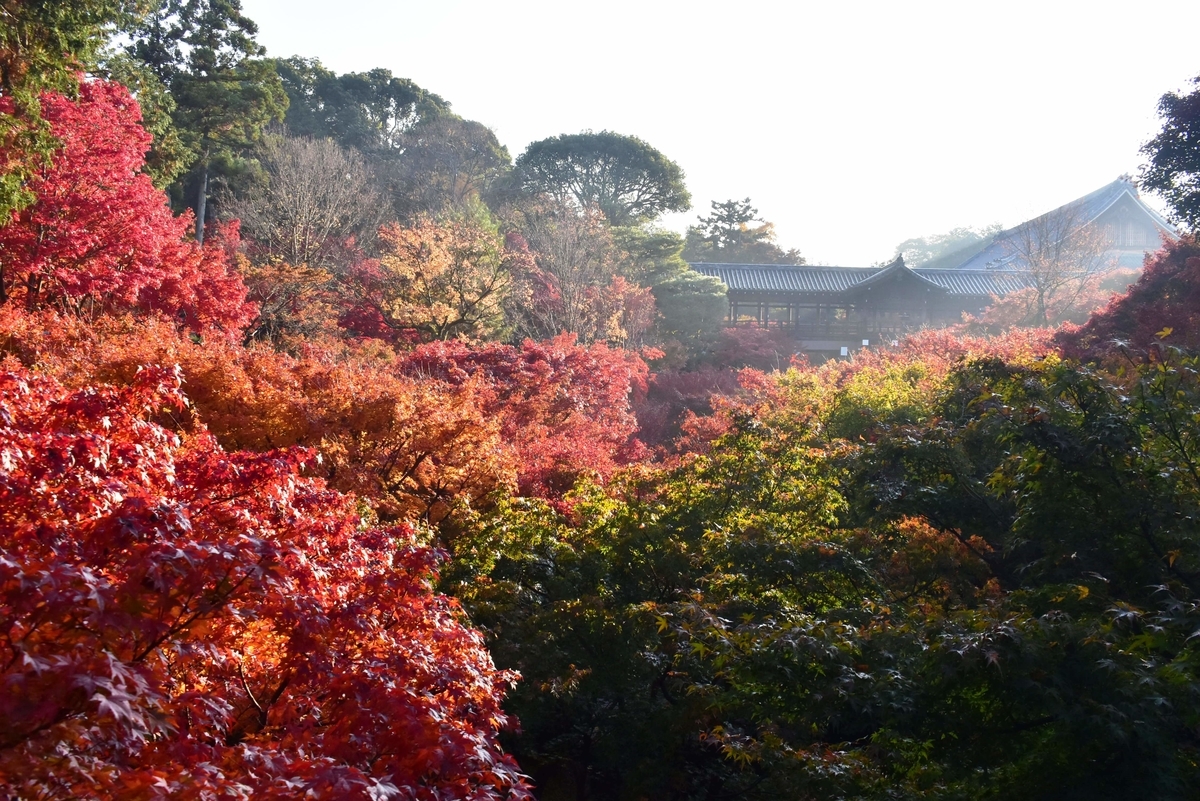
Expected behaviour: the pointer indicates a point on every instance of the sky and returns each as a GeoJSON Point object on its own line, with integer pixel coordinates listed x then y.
{"type": "Point", "coordinates": [850, 125]}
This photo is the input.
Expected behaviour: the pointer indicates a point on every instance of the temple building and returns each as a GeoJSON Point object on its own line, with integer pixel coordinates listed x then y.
{"type": "Point", "coordinates": [833, 311]}
{"type": "Point", "coordinates": [1115, 214]}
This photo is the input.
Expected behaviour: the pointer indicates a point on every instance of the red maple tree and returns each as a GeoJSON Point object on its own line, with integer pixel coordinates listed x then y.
{"type": "Point", "coordinates": [566, 408]}
{"type": "Point", "coordinates": [1163, 304]}
{"type": "Point", "coordinates": [181, 621]}
{"type": "Point", "coordinates": [99, 237]}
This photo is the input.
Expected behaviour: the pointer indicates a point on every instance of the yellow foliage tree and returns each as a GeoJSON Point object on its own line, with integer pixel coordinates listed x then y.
{"type": "Point", "coordinates": [444, 280]}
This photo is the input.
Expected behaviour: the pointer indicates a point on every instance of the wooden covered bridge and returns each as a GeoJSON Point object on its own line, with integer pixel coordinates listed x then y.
{"type": "Point", "coordinates": [835, 310]}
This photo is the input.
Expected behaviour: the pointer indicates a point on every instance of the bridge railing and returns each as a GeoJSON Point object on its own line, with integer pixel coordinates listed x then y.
{"type": "Point", "coordinates": [873, 331]}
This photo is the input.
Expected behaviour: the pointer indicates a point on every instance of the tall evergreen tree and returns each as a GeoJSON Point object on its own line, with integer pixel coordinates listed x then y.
{"type": "Point", "coordinates": [205, 53]}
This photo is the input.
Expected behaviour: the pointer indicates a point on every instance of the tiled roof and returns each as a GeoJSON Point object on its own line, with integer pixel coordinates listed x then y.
{"type": "Point", "coordinates": [786, 278]}
{"type": "Point", "coordinates": [897, 271]}
{"type": "Point", "coordinates": [997, 254]}
{"type": "Point", "coordinates": [803, 279]}
{"type": "Point", "coordinates": [977, 282]}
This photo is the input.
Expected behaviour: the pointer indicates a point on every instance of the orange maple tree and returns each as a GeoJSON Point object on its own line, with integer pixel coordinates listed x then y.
{"type": "Point", "coordinates": [413, 447]}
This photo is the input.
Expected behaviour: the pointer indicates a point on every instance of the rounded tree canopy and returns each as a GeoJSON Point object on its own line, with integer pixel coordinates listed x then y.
{"type": "Point", "coordinates": [629, 180]}
{"type": "Point", "coordinates": [1174, 168]}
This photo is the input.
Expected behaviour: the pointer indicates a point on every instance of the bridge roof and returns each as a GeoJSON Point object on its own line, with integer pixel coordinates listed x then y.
{"type": "Point", "coordinates": [803, 279]}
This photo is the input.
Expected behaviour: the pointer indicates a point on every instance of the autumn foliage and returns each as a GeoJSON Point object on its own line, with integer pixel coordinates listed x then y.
{"type": "Point", "coordinates": [565, 408]}
{"type": "Point", "coordinates": [413, 448]}
{"type": "Point", "coordinates": [1163, 304]}
{"type": "Point", "coordinates": [183, 621]}
{"type": "Point", "coordinates": [433, 281]}
{"type": "Point", "coordinates": [418, 434]}
{"type": "Point", "coordinates": [99, 237]}
{"type": "Point", "coordinates": [234, 488]}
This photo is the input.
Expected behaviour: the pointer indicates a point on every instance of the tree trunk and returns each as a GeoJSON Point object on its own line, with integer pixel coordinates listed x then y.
{"type": "Point", "coordinates": [201, 202]}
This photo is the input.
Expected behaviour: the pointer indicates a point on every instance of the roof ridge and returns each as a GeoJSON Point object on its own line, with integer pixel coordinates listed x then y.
{"type": "Point", "coordinates": [897, 265]}
{"type": "Point", "coordinates": [778, 266]}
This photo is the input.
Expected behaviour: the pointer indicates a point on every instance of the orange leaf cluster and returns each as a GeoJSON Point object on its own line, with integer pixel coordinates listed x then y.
{"type": "Point", "coordinates": [413, 447]}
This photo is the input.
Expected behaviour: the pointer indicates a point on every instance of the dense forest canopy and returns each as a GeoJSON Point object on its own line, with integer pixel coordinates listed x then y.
{"type": "Point", "coordinates": [343, 456]}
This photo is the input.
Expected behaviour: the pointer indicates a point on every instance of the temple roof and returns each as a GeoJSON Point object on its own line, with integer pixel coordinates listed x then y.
{"type": "Point", "coordinates": [805, 279]}
{"type": "Point", "coordinates": [997, 254]}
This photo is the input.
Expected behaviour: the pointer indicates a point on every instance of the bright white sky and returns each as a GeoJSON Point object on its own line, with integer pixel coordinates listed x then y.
{"type": "Point", "coordinates": [851, 125]}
